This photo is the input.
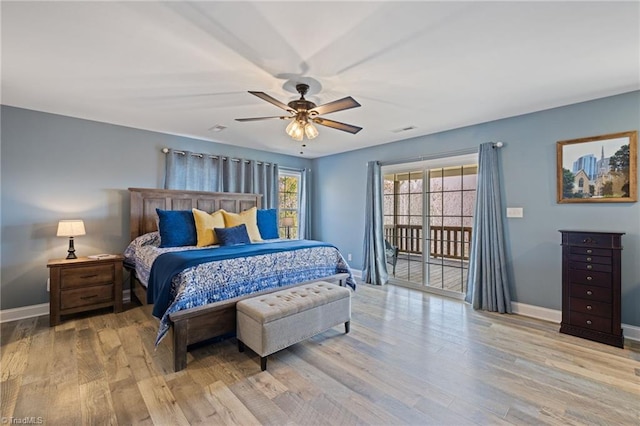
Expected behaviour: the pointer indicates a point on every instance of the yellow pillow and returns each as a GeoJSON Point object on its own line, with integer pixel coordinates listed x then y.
{"type": "Point", "coordinates": [205, 223]}
{"type": "Point", "coordinates": [248, 217]}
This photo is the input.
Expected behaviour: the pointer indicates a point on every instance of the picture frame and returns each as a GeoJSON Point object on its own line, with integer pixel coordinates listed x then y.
{"type": "Point", "coordinates": [598, 169]}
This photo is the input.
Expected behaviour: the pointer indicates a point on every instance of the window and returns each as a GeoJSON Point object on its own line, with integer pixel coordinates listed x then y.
{"type": "Point", "coordinates": [289, 203]}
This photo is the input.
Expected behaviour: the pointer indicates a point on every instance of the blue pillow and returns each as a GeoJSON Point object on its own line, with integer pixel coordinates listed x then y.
{"type": "Point", "coordinates": [177, 228]}
{"type": "Point", "coordinates": [233, 235]}
{"type": "Point", "coordinates": [268, 224]}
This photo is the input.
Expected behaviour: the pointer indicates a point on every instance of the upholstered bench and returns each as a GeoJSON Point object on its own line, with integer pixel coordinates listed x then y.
{"type": "Point", "coordinates": [275, 321]}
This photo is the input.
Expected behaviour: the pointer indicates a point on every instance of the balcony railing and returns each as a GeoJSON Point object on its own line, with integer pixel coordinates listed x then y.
{"type": "Point", "coordinates": [450, 242]}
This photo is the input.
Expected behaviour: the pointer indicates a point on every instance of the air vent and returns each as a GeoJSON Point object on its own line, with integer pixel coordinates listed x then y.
{"type": "Point", "coordinates": [217, 128]}
{"type": "Point", "coordinates": [404, 129]}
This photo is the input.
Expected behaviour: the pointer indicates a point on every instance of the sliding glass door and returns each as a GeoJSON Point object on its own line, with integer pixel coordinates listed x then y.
{"type": "Point", "coordinates": [428, 215]}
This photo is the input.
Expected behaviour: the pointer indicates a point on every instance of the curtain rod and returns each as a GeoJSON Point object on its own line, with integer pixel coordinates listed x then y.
{"type": "Point", "coordinates": [431, 157]}
{"type": "Point", "coordinates": [464, 151]}
{"type": "Point", "coordinates": [237, 160]}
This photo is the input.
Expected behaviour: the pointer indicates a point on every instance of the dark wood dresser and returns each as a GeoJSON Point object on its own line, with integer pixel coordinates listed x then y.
{"type": "Point", "coordinates": [591, 286]}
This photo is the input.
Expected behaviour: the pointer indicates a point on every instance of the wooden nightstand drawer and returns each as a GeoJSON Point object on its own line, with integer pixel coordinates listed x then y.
{"type": "Point", "coordinates": [82, 276]}
{"type": "Point", "coordinates": [96, 295]}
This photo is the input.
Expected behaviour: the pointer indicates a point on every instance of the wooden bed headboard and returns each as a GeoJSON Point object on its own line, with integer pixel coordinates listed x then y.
{"type": "Point", "coordinates": [144, 202]}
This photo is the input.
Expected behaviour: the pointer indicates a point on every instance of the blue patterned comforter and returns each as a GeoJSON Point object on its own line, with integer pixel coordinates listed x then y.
{"type": "Point", "coordinates": [231, 272]}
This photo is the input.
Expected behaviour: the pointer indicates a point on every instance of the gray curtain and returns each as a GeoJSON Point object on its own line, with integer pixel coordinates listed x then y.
{"type": "Point", "coordinates": [487, 283]}
{"type": "Point", "coordinates": [374, 269]}
{"type": "Point", "coordinates": [203, 172]}
{"type": "Point", "coordinates": [305, 201]}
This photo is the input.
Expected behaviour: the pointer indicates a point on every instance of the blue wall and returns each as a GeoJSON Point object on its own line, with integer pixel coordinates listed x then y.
{"type": "Point", "coordinates": [529, 168]}
{"type": "Point", "coordinates": [55, 167]}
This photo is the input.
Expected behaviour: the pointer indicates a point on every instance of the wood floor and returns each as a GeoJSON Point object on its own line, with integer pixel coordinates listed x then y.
{"type": "Point", "coordinates": [444, 274]}
{"type": "Point", "coordinates": [411, 358]}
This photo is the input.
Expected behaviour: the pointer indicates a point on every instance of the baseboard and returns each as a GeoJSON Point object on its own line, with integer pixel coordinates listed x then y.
{"type": "Point", "coordinates": [630, 332]}
{"type": "Point", "coordinates": [31, 311]}
{"type": "Point", "coordinates": [357, 273]}
{"type": "Point", "coordinates": [24, 312]}
{"type": "Point", "coordinates": [538, 312]}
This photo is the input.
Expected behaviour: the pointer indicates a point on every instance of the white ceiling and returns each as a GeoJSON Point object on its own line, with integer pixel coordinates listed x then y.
{"type": "Point", "coordinates": [182, 68]}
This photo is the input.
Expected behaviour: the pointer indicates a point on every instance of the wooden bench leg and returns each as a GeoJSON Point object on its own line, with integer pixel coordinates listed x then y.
{"type": "Point", "coordinates": [347, 327]}
{"type": "Point", "coordinates": [263, 363]}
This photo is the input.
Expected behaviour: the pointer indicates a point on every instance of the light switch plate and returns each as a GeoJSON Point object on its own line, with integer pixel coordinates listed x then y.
{"type": "Point", "coordinates": [515, 212]}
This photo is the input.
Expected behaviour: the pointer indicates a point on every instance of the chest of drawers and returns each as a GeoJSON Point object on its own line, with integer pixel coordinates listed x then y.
{"type": "Point", "coordinates": [591, 270]}
{"type": "Point", "coordinates": [83, 284]}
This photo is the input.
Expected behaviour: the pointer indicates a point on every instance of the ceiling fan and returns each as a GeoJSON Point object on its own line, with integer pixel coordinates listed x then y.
{"type": "Point", "coordinates": [304, 113]}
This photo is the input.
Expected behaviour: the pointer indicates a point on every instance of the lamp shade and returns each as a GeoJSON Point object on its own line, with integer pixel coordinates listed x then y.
{"type": "Point", "coordinates": [70, 228]}
{"type": "Point", "coordinates": [287, 221]}
{"type": "Point", "coordinates": [310, 131]}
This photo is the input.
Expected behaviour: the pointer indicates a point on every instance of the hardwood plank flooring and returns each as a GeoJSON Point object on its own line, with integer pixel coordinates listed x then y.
{"type": "Point", "coordinates": [444, 274]}
{"type": "Point", "coordinates": [411, 358]}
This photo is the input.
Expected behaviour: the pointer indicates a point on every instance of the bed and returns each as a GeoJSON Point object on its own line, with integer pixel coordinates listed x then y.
{"type": "Point", "coordinates": [195, 324]}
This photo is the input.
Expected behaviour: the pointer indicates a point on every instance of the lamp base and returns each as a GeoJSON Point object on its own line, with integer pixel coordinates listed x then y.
{"type": "Point", "coordinates": [72, 250]}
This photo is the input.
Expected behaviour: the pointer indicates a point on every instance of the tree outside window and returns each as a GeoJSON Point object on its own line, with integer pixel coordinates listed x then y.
{"type": "Point", "coordinates": [289, 203]}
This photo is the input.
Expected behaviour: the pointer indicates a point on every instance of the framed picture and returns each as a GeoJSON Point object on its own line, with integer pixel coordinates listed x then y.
{"type": "Point", "coordinates": [598, 169]}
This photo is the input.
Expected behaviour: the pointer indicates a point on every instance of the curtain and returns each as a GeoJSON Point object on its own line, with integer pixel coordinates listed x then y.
{"type": "Point", "coordinates": [487, 284]}
{"type": "Point", "coordinates": [374, 270]}
{"type": "Point", "coordinates": [203, 172]}
{"type": "Point", "coordinates": [305, 205]}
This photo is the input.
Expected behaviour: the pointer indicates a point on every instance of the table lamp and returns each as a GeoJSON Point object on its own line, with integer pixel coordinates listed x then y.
{"type": "Point", "coordinates": [71, 228]}
{"type": "Point", "coordinates": [287, 222]}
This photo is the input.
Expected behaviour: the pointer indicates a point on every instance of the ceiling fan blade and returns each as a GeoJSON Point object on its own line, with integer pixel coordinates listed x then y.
{"type": "Point", "coordinates": [273, 101]}
{"type": "Point", "coordinates": [264, 118]}
{"type": "Point", "coordinates": [339, 105]}
{"type": "Point", "coordinates": [337, 125]}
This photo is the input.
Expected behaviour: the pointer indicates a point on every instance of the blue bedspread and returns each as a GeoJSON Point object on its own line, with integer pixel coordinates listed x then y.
{"type": "Point", "coordinates": [211, 275]}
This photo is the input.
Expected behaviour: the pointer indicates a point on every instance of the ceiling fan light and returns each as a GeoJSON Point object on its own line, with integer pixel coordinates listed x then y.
{"type": "Point", "coordinates": [298, 134]}
{"type": "Point", "coordinates": [310, 130]}
{"type": "Point", "coordinates": [292, 127]}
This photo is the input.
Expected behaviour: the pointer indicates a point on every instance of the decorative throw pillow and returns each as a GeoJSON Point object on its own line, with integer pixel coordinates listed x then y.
{"type": "Point", "coordinates": [205, 223]}
{"type": "Point", "coordinates": [268, 223]}
{"type": "Point", "coordinates": [233, 235]}
{"type": "Point", "coordinates": [177, 228]}
{"type": "Point", "coordinates": [248, 217]}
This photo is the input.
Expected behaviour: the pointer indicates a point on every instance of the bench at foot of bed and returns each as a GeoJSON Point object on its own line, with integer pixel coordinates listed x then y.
{"type": "Point", "coordinates": [275, 321]}
{"type": "Point", "coordinates": [202, 323]}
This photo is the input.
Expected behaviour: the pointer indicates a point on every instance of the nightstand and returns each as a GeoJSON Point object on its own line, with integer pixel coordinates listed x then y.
{"type": "Point", "coordinates": [83, 284]}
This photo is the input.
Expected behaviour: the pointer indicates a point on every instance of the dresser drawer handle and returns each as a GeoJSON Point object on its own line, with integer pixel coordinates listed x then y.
{"type": "Point", "coordinates": [589, 292]}
{"type": "Point", "coordinates": [589, 241]}
{"type": "Point", "coordinates": [589, 267]}
{"type": "Point", "coordinates": [588, 259]}
{"type": "Point", "coordinates": [589, 322]}
{"type": "Point", "coordinates": [89, 297]}
{"type": "Point", "coordinates": [589, 307]}
{"type": "Point", "coordinates": [89, 276]}
{"type": "Point", "coordinates": [589, 251]}
{"type": "Point", "coordinates": [589, 278]}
